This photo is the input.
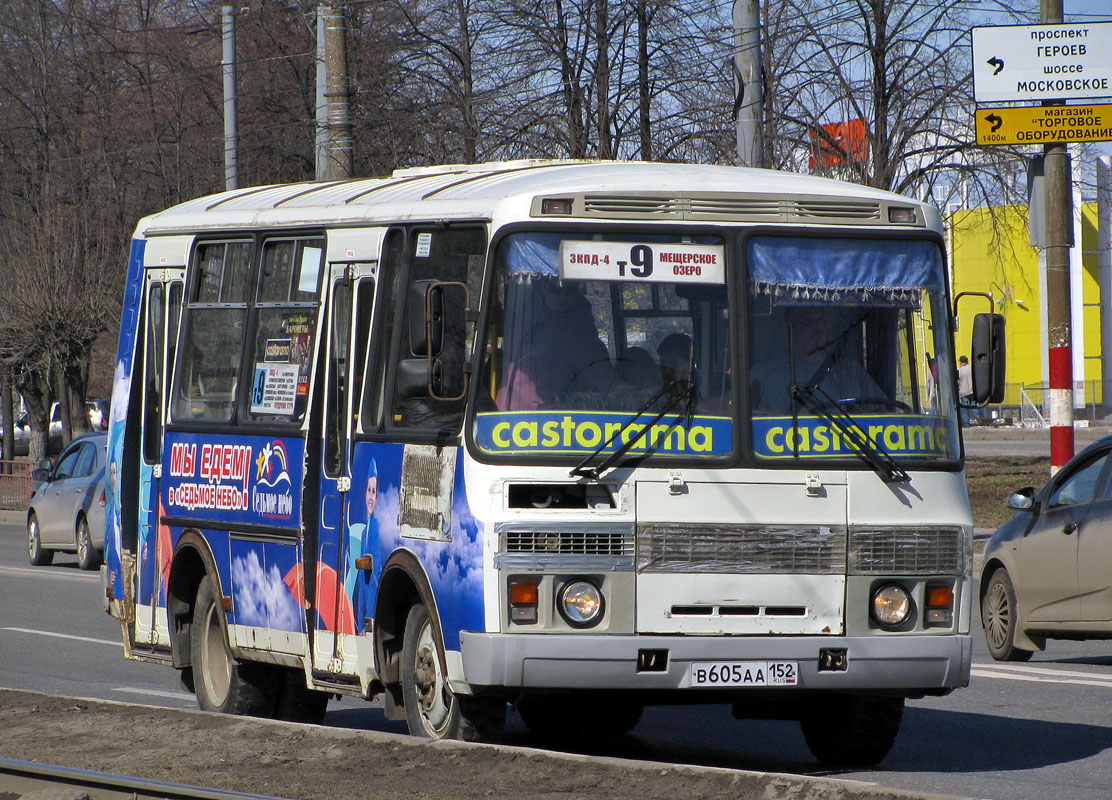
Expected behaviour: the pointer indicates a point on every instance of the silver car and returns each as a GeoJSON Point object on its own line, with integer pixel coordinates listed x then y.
{"type": "Point", "coordinates": [66, 512]}
{"type": "Point", "coordinates": [1048, 570]}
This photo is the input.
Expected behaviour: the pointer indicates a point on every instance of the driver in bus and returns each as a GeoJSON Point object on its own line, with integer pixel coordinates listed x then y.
{"type": "Point", "coordinates": [566, 355]}
{"type": "Point", "coordinates": [819, 337]}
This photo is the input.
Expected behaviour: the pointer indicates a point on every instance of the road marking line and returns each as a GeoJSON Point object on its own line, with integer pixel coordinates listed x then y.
{"type": "Point", "coordinates": [1010, 676]}
{"type": "Point", "coordinates": [1065, 673]}
{"type": "Point", "coordinates": [155, 693]}
{"type": "Point", "coordinates": [42, 572]}
{"type": "Point", "coordinates": [64, 636]}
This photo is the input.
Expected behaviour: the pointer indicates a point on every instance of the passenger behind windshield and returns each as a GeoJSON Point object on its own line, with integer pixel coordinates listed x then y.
{"type": "Point", "coordinates": [822, 351]}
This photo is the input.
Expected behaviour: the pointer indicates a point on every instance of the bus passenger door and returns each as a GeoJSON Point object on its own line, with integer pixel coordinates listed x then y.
{"type": "Point", "coordinates": [332, 599]}
{"type": "Point", "coordinates": [163, 311]}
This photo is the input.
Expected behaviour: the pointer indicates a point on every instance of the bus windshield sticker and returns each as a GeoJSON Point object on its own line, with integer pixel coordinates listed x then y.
{"type": "Point", "coordinates": [424, 245]}
{"type": "Point", "coordinates": [631, 261]}
{"type": "Point", "coordinates": [913, 435]}
{"type": "Point", "coordinates": [579, 433]}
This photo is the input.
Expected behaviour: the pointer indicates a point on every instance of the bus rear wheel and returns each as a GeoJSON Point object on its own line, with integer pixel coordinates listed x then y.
{"type": "Point", "coordinates": [432, 710]}
{"type": "Point", "coordinates": [221, 682]}
{"type": "Point", "coordinates": [852, 730]}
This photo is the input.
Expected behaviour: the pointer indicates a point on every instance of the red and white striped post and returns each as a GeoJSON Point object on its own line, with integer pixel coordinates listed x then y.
{"type": "Point", "coordinates": [1058, 204]}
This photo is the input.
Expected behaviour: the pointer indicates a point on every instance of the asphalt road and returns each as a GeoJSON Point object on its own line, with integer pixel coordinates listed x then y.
{"type": "Point", "coordinates": [988, 441]}
{"type": "Point", "coordinates": [1019, 732]}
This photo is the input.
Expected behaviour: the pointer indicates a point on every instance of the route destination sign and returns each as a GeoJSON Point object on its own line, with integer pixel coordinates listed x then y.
{"type": "Point", "coordinates": [1044, 124]}
{"type": "Point", "coordinates": [1042, 62]}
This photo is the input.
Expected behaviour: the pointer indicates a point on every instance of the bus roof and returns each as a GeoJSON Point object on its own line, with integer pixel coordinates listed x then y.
{"type": "Point", "coordinates": [630, 190]}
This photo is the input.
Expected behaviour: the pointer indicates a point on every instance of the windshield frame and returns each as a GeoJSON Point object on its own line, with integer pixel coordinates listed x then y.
{"type": "Point", "coordinates": [943, 333]}
{"type": "Point", "coordinates": [735, 239]}
{"type": "Point", "coordinates": [614, 229]}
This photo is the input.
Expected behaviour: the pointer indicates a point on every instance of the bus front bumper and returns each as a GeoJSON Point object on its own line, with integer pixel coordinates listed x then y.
{"type": "Point", "coordinates": [558, 661]}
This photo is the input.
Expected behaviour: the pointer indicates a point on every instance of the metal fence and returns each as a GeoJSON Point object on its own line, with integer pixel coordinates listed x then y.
{"type": "Point", "coordinates": [15, 485]}
{"type": "Point", "coordinates": [1026, 405]}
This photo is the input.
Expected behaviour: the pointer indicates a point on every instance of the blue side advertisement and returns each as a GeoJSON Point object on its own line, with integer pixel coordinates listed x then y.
{"type": "Point", "coordinates": [233, 479]}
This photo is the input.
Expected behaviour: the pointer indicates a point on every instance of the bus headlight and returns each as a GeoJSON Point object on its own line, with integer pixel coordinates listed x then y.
{"type": "Point", "coordinates": [891, 605]}
{"type": "Point", "coordinates": [580, 603]}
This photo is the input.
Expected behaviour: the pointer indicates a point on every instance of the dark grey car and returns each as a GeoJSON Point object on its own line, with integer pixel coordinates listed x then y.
{"type": "Point", "coordinates": [1048, 570]}
{"type": "Point", "coordinates": [66, 512]}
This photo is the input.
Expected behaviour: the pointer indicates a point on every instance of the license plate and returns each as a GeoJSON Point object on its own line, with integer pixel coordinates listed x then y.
{"type": "Point", "coordinates": [743, 673]}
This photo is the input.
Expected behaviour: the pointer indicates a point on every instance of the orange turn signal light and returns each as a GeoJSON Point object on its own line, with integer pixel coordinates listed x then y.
{"type": "Point", "coordinates": [940, 597]}
{"type": "Point", "coordinates": [523, 594]}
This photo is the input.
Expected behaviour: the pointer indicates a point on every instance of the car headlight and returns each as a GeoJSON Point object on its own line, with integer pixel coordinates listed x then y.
{"type": "Point", "coordinates": [580, 603]}
{"type": "Point", "coordinates": [891, 605]}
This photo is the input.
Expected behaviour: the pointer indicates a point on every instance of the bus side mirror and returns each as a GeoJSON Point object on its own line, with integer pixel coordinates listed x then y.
{"type": "Point", "coordinates": [989, 362]}
{"type": "Point", "coordinates": [420, 377]}
{"type": "Point", "coordinates": [425, 314]}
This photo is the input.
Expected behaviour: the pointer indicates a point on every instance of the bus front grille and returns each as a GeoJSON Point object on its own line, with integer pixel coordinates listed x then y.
{"type": "Point", "coordinates": [577, 542]}
{"type": "Point", "coordinates": [908, 551]}
{"type": "Point", "coordinates": [729, 549]}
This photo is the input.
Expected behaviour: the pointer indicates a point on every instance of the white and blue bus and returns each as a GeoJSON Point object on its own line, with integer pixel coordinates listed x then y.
{"type": "Point", "coordinates": [571, 437]}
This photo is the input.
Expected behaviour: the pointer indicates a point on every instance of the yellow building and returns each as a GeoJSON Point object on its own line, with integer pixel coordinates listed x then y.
{"type": "Point", "coordinates": [990, 252]}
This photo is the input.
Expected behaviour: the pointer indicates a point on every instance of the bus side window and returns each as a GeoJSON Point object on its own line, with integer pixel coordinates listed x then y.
{"type": "Point", "coordinates": [284, 335]}
{"type": "Point", "coordinates": [213, 325]}
{"type": "Point", "coordinates": [440, 255]}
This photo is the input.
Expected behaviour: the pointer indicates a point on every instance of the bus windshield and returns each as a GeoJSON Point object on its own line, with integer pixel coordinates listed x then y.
{"type": "Point", "coordinates": [603, 342]}
{"type": "Point", "coordinates": [842, 334]}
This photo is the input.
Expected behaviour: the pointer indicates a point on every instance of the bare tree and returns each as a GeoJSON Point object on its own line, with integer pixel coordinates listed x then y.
{"type": "Point", "coordinates": [903, 68]}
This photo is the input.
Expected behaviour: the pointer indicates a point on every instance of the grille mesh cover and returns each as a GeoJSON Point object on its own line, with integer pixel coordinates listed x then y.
{"type": "Point", "coordinates": [595, 543]}
{"type": "Point", "coordinates": [907, 551]}
{"type": "Point", "coordinates": [728, 549]}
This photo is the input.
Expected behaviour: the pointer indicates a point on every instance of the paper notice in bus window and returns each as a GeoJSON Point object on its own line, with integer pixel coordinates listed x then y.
{"type": "Point", "coordinates": [274, 389]}
{"type": "Point", "coordinates": [634, 262]}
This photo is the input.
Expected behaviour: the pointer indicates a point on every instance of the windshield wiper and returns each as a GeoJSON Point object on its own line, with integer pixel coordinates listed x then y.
{"type": "Point", "coordinates": [868, 450]}
{"type": "Point", "coordinates": [675, 390]}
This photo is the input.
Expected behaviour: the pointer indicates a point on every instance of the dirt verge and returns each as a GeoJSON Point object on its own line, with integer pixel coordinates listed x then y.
{"type": "Point", "coordinates": [311, 762]}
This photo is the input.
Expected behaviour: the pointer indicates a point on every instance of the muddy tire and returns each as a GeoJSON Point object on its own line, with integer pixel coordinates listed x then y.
{"type": "Point", "coordinates": [432, 711]}
{"type": "Point", "coordinates": [221, 682]}
{"type": "Point", "coordinates": [999, 618]}
{"type": "Point", "coordinates": [87, 556]}
{"type": "Point", "coordinates": [852, 730]}
{"type": "Point", "coordinates": [38, 555]}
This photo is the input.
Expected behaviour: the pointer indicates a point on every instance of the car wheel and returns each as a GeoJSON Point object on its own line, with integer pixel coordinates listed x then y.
{"type": "Point", "coordinates": [432, 711]}
{"type": "Point", "coordinates": [852, 730]}
{"type": "Point", "coordinates": [999, 618]}
{"type": "Point", "coordinates": [87, 556]}
{"type": "Point", "coordinates": [38, 554]}
{"type": "Point", "coordinates": [222, 683]}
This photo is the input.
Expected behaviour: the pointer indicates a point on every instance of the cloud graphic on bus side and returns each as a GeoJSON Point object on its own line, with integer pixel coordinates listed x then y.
{"type": "Point", "coordinates": [261, 598]}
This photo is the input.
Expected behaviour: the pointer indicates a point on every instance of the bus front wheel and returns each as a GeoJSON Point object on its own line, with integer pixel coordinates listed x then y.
{"type": "Point", "coordinates": [432, 710]}
{"type": "Point", "coordinates": [852, 730]}
{"type": "Point", "coordinates": [221, 682]}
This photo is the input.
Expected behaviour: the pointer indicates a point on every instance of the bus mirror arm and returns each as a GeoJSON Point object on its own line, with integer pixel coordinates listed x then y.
{"type": "Point", "coordinates": [987, 353]}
